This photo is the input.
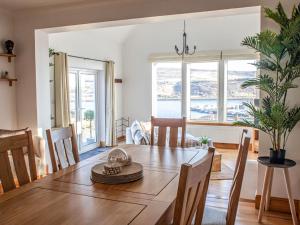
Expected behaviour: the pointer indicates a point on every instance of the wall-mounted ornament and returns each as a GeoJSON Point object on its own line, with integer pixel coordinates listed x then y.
{"type": "Point", "coordinates": [9, 46]}
{"type": "Point", "coordinates": [4, 74]}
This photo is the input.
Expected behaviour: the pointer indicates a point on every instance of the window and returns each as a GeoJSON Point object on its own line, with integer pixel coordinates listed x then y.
{"type": "Point", "coordinates": [213, 89]}
{"type": "Point", "coordinates": [239, 71]}
{"type": "Point", "coordinates": [203, 90]}
{"type": "Point", "coordinates": [168, 89]}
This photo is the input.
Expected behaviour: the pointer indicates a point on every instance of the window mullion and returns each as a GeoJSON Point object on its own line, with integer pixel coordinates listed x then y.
{"type": "Point", "coordinates": [154, 89]}
{"type": "Point", "coordinates": [188, 91]}
{"type": "Point", "coordinates": [222, 88]}
{"type": "Point", "coordinates": [184, 90]}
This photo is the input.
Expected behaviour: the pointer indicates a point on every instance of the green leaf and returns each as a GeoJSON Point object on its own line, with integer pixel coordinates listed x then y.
{"type": "Point", "coordinates": [278, 16]}
{"type": "Point", "coordinates": [264, 83]}
{"type": "Point", "coordinates": [265, 64]}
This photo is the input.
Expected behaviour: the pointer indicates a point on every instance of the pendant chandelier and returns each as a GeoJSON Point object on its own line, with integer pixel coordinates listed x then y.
{"type": "Point", "coordinates": [185, 48]}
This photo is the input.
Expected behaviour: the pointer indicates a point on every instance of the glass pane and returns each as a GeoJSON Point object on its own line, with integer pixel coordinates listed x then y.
{"type": "Point", "coordinates": [87, 100]}
{"type": "Point", "coordinates": [239, 71]}
{"type": "Point", "coordinates": [203, 91]}
{"type": "Point", "coordinates": [72, 97]}
{"type": "Point", "coordinates": [168, 89]}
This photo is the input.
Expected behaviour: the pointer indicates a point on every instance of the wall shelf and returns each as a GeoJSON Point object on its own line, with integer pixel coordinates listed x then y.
{"type": "Point", "coordinates": [9, 56]}
{"type": "Point", "coordinates": [9, 80]}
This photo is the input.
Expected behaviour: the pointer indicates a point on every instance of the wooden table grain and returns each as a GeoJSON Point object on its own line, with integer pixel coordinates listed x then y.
{"type": "Point", "coordinates": [70, 197]}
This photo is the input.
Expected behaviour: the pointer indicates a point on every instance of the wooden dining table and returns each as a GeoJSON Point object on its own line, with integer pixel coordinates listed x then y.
{"type": "Point", "coordinates": [70, 197]}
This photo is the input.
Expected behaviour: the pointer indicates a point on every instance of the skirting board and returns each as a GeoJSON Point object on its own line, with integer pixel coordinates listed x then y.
{"type": "Point", "coordinates": [279, 205]}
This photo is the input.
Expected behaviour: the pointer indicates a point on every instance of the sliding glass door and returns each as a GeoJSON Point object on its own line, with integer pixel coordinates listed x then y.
{"type": "Point", "coordinates": [82, 89]}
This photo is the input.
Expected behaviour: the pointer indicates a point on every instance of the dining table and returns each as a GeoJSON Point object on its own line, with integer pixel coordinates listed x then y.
{"type": "Point", "coordinates": [69, 196]}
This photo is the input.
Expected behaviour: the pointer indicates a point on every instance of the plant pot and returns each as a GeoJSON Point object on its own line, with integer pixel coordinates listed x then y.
{"type": "Point", "coordinates": [277, 157]}
{"type": "Point", "coordinates": [204, 146]}
{"type": "Point", "coordinates": [281, 156]}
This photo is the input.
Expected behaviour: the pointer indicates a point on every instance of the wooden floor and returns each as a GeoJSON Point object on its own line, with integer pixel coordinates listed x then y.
{"type": "Point", "coordinates": [218, 197]}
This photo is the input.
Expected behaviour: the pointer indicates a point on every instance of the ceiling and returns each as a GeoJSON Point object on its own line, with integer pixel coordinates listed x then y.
{"type": "Point", "coordinates": [27, 4]}
{"type": "Point", "coordinates": [114, 34]}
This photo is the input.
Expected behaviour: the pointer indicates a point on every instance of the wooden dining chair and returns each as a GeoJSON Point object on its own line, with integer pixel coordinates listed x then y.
{"type": "Point", "coordinates": [163, 124]}
{"type": "Point", "coordinates": [192, 190]}
{"type": "Point", "coordinates": [14, 145]}
{"type": "Point", "coordinates": [215, 215]}
{"type": "Point", "coordinates": [62, 143]}
{"type": "Point", "coordinates": [5, 132]}
{"type": "Point", "coordinates": [244, 133]}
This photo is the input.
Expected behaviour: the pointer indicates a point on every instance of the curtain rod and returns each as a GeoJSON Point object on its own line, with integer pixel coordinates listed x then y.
{"type": "Point", "coordinates": [79, 57]}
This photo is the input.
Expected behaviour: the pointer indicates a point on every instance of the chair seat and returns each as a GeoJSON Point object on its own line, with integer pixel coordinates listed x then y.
{"type": "Point", "coordinates": [214, 216]}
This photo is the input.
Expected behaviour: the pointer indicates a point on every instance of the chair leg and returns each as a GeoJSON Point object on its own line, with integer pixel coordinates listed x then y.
{"type": "Point", "coordinates": [290, 196]}
{"type": "Point", "coordinates": [264, 193]}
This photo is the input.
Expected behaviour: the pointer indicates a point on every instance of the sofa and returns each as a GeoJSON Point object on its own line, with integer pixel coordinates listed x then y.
{"type": "Point", "coordinates": [139, 133]}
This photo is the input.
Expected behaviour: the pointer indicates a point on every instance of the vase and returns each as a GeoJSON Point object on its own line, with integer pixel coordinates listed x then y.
{"type": "Point", "coordinates": [277, 157]}
{"type": "Point", "coordinates": [9, 45]}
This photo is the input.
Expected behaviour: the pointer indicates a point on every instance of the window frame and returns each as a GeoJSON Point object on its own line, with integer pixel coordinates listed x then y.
{"type": "Point", "coordinates": [222, 82]}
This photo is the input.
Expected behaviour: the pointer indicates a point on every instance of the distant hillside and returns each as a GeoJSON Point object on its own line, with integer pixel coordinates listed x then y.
{"type": "Point", "coordinates": [203, 83]}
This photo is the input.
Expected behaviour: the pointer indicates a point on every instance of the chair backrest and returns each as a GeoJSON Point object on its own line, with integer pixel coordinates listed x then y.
{"type": "Point", "coordinates": [192, 190]}
{"type": "Point", "coordinates": [62, 143]}
{"type": "Point", "coordinates": [163, 124]}
{"type": "Point", "coordinates": [15, 144]}
{"type": "Point", "coordinates": [4, 132]}
{"type": "Point", "coordinates": [244, 132]}
{"type": "Point", "coordinates": [238, 178]}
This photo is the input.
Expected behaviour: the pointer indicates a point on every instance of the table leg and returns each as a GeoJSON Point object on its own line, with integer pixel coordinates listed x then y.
{"type": "Point", "coordinates": [269, 190]}
{"type": "Point", "coordinates": [264, 193]}
{"type": "Point", "coordinates": [289, 192]}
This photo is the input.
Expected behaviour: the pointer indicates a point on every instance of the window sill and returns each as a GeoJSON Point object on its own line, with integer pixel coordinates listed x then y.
{"type": "Point", "coordinates": [223, 124]}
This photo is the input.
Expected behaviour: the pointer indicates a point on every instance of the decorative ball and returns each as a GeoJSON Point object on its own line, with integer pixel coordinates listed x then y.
{"type": "Point", "coordinates": [119, 156]}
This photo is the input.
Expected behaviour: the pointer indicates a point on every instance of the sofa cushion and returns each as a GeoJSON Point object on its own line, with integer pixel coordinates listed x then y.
{"type": "Point", "coordinates": [138, 134]}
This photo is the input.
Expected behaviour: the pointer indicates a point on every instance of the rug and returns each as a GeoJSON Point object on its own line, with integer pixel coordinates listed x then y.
{"type": "Point", "coordinates": [92, 153]}
{"type": "Point", "coordinates": [226, 173]}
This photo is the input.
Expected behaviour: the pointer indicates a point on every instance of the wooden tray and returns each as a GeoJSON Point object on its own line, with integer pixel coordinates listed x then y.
{"type": "Point", "coordinates": [129, 173]}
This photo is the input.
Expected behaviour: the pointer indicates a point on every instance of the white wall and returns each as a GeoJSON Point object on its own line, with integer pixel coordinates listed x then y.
{"type": "Point", "coordinates": [279, 189]}
{"type": "Point", "coordinates": [208, 34]}
{"type": "Point", "coordinates": [8, 117]}
{"type": "Point", "coordinates": [96, 44]}
{"type": "Point", "coordinates": [88, 15]}
{"type": "Point", "coordinates": [43, 84]}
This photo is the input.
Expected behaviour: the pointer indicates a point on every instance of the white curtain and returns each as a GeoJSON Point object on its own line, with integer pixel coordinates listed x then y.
{"type": "Point", "coordinates": [61, 83]}
{"type": "Point", "coordinates": [110, 131]}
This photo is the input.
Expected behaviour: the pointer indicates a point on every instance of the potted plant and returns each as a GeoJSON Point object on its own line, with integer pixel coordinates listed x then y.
{"type": "Point", "coordinates": [279, 68]}
{"type": "Point", "coordinates": [204, 142]}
